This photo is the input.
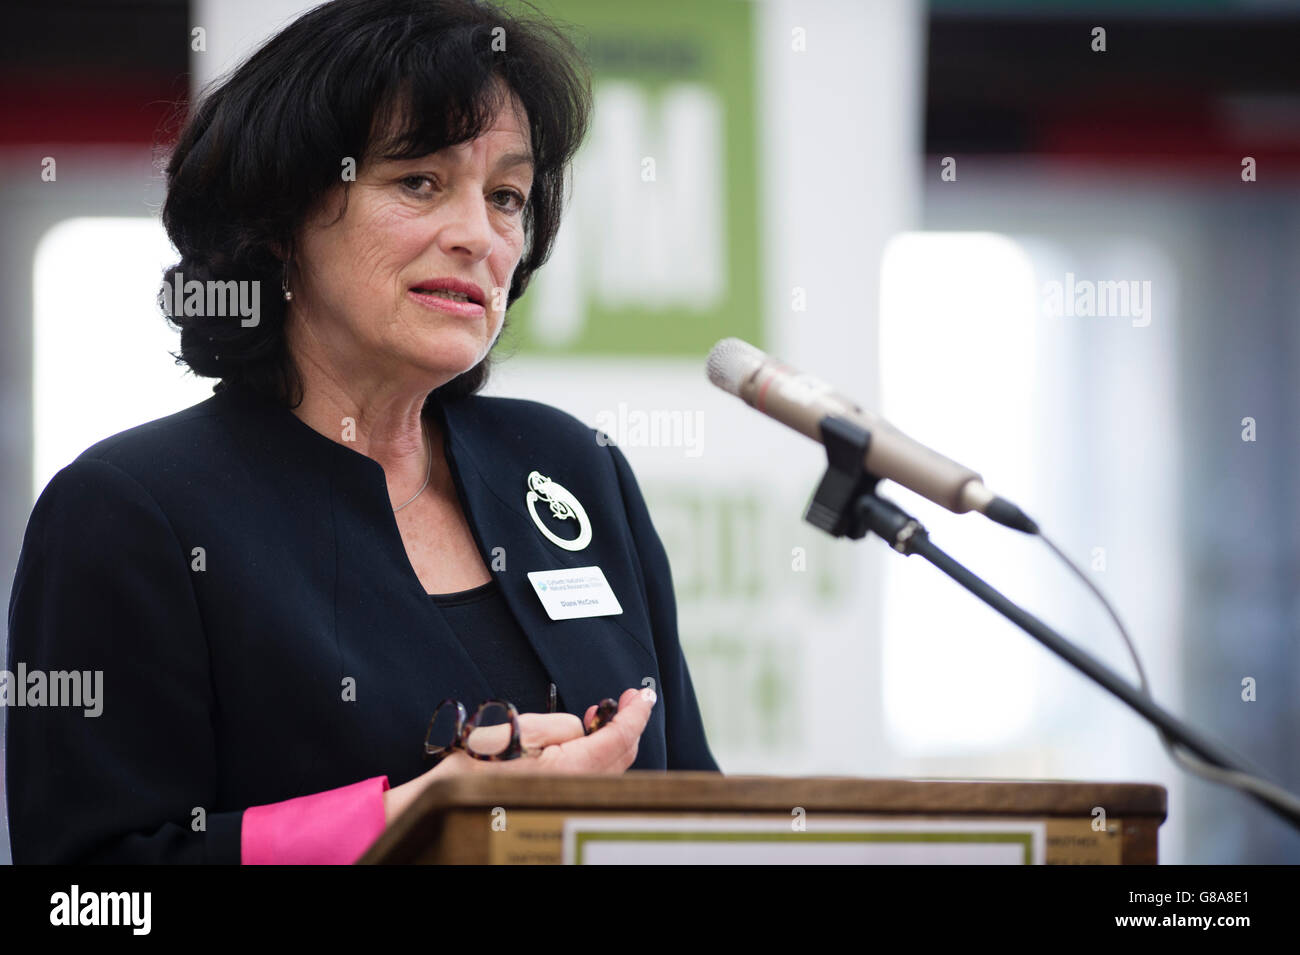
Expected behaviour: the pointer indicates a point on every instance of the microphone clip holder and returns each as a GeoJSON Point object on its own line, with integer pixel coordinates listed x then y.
{"type": "Point", "coordinates": [845, 503]}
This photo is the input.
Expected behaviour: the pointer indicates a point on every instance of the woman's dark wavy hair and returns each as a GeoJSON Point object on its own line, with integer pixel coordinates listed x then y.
{"type": "Point", "coordinates": [265, 145]}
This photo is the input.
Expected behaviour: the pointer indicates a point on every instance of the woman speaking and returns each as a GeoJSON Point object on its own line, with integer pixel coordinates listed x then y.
{"type": "Point", "coordinates": [346, 574]}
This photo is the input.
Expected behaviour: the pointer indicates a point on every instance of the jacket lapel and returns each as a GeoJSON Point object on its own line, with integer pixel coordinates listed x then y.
{"type": "Point", "coordinates": [588, 658]}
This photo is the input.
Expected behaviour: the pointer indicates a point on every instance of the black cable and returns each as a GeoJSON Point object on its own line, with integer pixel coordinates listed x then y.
{"type": "Point", "coordinates": [907, 536]}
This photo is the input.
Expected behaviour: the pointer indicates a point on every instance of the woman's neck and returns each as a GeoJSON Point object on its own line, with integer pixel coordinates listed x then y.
{"type": "Point", "coordinates": [385, 425]}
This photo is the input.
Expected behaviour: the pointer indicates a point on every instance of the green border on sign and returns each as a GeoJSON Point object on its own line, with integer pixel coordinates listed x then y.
{"type": "Point", "coordinates": [1024, 839]}
{"type": "Point", "coordinates": [654, 46]}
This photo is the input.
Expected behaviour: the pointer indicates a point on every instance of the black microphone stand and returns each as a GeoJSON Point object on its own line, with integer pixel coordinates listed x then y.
{"type": "Point", "coordinates": [846, 505]}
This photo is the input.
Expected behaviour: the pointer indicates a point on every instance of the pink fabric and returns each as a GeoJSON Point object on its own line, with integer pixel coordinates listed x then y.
{"type": "Point", "coordinates": [334, 827]}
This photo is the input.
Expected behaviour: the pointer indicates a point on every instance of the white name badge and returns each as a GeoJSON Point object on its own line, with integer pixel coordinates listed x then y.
{"type": "Point", "coordinates": [580, 592]}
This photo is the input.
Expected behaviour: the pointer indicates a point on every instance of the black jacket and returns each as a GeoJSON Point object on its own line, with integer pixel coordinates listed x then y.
{"type": "Point", "coordinates": [225, 687]}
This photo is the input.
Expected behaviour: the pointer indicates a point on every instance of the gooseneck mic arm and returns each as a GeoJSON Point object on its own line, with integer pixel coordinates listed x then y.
{"type": "Point", "coordinates": [846, 505]}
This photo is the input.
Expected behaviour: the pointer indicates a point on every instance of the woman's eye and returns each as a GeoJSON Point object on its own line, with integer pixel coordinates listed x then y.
{"type": "Point", "coordinates": [516, 196]}
{"type": "Point", "coordinates": [415, 185]}
{"type": "Point", "coordinates": [407, 181]}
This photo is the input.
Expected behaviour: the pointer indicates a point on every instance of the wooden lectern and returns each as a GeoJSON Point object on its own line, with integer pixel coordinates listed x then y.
{"type": "Point", "coordinates": [671, 817]}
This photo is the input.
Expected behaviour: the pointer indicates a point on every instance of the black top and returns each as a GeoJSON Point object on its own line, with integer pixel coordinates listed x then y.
{"type": "Point", "coordinates": [491, 635]}
{"type": "Point", "coordinates": [239, 581]}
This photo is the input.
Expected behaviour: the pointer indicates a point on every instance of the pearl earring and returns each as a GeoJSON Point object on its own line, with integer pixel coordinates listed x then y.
{"type": "Point", "coordinates": [284, 283]}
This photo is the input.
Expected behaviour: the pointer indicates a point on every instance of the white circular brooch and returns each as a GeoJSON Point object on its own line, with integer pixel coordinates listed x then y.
{"type": "Point", "coordinates": [563, 506]}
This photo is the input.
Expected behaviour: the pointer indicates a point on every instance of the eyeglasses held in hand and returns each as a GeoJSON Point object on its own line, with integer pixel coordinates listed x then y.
{"type": "Point", "coordinates": [493, 732]}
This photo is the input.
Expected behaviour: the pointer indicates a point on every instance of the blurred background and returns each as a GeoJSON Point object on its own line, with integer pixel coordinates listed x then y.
{"type": "Point", "coordinates": [1057, 241]}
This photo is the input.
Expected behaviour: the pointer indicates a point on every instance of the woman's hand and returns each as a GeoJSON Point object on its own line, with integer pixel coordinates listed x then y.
{"type": "Point", "coordinates": [559, 744]}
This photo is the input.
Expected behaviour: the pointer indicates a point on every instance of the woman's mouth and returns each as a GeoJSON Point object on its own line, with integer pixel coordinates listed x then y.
{"type": "Point", "coordinates": [454, 303]}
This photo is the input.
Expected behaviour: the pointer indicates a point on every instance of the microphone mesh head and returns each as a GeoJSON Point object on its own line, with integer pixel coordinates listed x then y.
{"type": "Point", "coordinates": [731, 362]}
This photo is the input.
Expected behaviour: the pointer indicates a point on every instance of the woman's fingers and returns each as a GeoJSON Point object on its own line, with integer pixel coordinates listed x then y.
{"type": "Point", "coordinates": [538, 730]}
{"type": "Point", "coordinates": [559, 744]}
{"type": "Point", "coordinates": [491, 739]}
{"type": "Point", "coordinates": [612, 748]}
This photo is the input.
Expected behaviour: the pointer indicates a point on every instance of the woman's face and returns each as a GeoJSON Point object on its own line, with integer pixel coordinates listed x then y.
{"type": "Point", "coordinates": [455, 214]}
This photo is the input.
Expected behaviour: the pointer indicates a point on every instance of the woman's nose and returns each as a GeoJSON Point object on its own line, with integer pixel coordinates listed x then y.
{"type": "Point", "coordinates": [464, 224]}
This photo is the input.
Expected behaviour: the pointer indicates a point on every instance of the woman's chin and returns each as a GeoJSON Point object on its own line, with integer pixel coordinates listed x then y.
{"type": "Point", "coordinates": [446, 362]}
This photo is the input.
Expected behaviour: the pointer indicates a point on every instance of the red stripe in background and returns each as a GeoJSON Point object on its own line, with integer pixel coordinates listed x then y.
{"type": "Point", "coordinates": [107, 108]}
{"type": "Point", "coordinates": [1201, 135]}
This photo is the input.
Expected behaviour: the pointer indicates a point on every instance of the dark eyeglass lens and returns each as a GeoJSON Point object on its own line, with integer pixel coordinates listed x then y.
{"type": "Point", "coordinates": [491, 733]}
{"type": "Point", "coordinates": [442, 731]}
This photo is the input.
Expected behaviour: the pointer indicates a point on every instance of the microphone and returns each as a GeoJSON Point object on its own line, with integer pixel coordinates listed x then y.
{"type": "Point", "coordinates": [801, 401]}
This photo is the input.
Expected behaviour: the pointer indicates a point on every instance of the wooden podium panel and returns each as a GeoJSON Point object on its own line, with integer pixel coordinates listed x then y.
{"type": "Point", "coordinates": [520, 819]}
